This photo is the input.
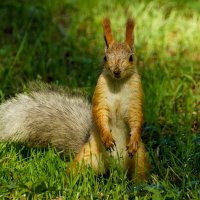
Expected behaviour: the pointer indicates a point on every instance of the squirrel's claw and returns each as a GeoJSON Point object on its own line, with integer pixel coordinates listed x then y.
{"type": "Point", "coordinates": [132, 148]}
{"type": "Point", "coordinates": [109, 142]}
{"type": "Point", "coordinates": [130, 155]}
{"type": "Point", "coordinates": [133, 144]}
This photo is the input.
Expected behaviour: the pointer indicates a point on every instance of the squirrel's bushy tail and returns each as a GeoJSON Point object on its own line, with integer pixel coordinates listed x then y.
{"type": "Point", "coordinates": [46, 118]}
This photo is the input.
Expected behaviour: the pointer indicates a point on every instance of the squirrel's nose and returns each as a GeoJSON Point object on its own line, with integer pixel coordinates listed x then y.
{"type": "Point", "coordinates": [117, 73]}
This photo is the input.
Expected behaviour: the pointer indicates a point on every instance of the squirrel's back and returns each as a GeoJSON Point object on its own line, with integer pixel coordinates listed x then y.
{"type": "Point", "coordinates": [46, 118]}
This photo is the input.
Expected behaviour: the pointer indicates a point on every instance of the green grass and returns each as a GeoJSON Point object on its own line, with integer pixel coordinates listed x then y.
{"type": "Point", "coordinates": [62, 42]}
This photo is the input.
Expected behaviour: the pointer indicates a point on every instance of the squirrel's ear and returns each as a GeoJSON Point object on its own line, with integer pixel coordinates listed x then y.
{"type": "Point", "coordinates": [107, 31]}
{"type": "Point", "coordinates": [130, 24]}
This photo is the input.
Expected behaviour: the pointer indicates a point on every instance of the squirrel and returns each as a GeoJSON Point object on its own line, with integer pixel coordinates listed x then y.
{"type": "Point", "coordinates": [117, 111]}
{"type": "Point", "coordinates": [72, 125]}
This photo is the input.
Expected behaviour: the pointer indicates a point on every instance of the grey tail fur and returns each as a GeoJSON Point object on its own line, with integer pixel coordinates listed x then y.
{"type": "Point", "coordinates": [46, 118]}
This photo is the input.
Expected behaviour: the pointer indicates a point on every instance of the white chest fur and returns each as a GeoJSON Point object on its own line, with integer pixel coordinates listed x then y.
{"type": "Point", "coordinates": [118, 95]}
{"type": "Point", "coordinates": [118, 100]}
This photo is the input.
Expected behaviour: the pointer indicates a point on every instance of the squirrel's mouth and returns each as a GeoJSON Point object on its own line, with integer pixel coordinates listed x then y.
{"type": "Point", "coordinates": [117, 74]}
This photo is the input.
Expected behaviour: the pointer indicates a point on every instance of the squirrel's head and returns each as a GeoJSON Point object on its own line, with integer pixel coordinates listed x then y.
{"type": "Point", "coordinates": [119, 59]}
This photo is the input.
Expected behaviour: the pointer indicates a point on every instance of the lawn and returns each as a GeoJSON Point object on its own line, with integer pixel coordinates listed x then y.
{"type": "Point", "coordinates": [61, 42]}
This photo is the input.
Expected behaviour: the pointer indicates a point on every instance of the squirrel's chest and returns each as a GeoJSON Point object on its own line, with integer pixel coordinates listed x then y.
{"type": "Point", "coordinates": [119, 104]}
{"type": "Point", "coordinates": [118, 113]}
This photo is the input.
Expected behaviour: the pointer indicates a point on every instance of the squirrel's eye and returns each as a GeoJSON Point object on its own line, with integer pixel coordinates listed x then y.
{"type": "Point", "coordinates": [105, 58]}
{"type": "Point", "coordinates": [131, 58]}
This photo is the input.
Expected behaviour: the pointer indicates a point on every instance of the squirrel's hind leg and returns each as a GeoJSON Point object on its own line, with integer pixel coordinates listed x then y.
{"type": "Point", "coordinates": [89, 155]}
{"type": "Point", "coordinates": [138, 167]}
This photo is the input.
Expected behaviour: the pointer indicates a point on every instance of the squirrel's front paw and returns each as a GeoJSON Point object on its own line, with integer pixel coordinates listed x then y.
{"type": "Point", "coordinates": [132, 147]}
{"type": "Point", "coordinates": [108, 141]}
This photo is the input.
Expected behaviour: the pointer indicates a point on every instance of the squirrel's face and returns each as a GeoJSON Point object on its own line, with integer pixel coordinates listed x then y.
{"type": "Point", "coordinates": [119, 60]}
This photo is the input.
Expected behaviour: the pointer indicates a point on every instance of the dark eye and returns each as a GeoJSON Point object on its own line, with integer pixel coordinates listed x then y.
{"type": "Point", "coordinates": [131, 58]}
{"type": "Point", "coordinates": [105, 58]}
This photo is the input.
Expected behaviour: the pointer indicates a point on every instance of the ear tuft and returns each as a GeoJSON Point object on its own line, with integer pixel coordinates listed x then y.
{"type": "Point", "coordinates": [130, 24]}
{"type": "Point", "coordinates": [107, 31]}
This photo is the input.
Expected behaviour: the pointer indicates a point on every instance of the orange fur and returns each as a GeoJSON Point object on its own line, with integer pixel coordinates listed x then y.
{"type": "Point", "coordinates": [107, 31]}
{"type": "Point", "coordinates": [90, 155]}
{"type": "Point", "coordinates": [138, 167]}
{"type": "Point", "coordinates": [100, 113]}
{"type": "Point", "coordinates": [129, 32]}
{"type": "Point", "coordinates": [135, 116]}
